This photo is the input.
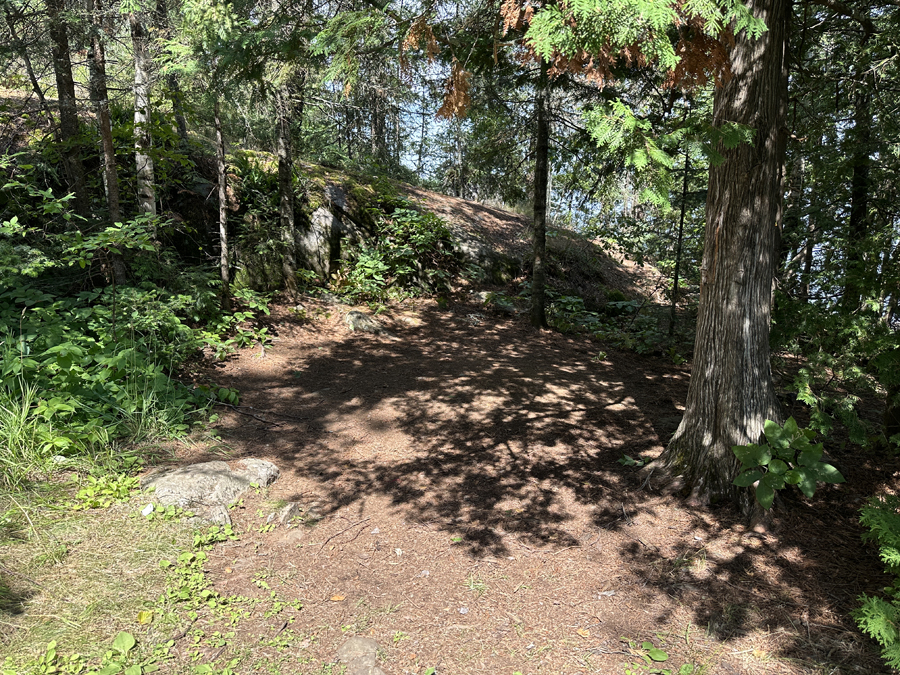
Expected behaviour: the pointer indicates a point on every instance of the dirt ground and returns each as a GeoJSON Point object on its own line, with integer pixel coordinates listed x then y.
{"type": "Point", "coordinates": [464, 506]}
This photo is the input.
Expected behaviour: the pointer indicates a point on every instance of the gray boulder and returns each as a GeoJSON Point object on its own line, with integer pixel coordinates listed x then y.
{"type": "Point", "coordinates": [209, 488]}
{"type": "Point", "coordinates": [362, 322]}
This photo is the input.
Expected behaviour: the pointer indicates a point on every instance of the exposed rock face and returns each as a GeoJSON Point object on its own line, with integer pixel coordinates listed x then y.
{"type": "Point", "coordinates": [319, 242]}
{"type": "Point", "coordinates": [210, 487]}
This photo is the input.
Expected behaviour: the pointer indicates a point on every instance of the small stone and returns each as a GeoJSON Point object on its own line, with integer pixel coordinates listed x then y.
{"type": "Point", "coordinates": [288, 512]}
{"type": "Point", "coordinates": [359, 655]}
{"type": "Point", "coordinates": [463, 610]}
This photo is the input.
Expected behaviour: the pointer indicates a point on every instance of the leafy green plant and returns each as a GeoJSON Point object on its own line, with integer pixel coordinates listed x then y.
{"type": "Point", "coordinates": [411, 252]}
{"type": "Point", "coordinates": [214, 534]}
{"type": "Point", "coordinates": [103, 491]}
{"type": "Point", "coordinates": [167, 513]}
{"type": "Point", "coordinates": [628, 460]}
{"type": "Point", "coordinates": [879, 617]}
{"type": "Point", "coordinates": [652, 656]}
{"type": "Point", "coordinates": [120, 658]}
{"type": "Point", "coordinates": [788, 457]}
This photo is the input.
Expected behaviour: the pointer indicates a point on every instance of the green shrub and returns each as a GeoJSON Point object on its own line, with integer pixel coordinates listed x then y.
{"type": "Point", "coordinates": [879, 617]}
{"type": "Point", "coordinates": [83, 364]}
{"type": "Point", "coordinates": [787, 457]}
{"type": "Point", "coordinates": [411, 253]}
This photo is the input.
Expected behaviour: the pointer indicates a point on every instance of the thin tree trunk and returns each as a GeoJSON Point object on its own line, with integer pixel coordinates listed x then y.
{"type": "Point", "coordinates": [161, 18]}
{"type": "Point", "coordinates": [22, 51]}
{"type": "Point", "coordinates": [68, 106]}
{"type": "Point", "coordinates": [677, 280]}
{"type": "Point", "coordinates": [286, 191]}
{"type": "Point", "coordinates": [806, 279]}
{"type": "Point", "coordinates": [100, 98]}
{"type": "Point", "coordinates": [146, 189]}
{"type": "Point", "coordinates": [858, 227]}
{"type": "Point", "coordinates": [731, 393]}
{"type": "Point", "coordinates": [789, 233]}
{"type": "Point", "coordinates": [223, 209]}
{"type": "Point", "coordinates": [541, 177]}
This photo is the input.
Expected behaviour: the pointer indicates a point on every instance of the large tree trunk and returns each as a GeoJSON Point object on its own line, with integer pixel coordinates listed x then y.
{"type": "Point", "coordinates": [731, 392]}
{"type": "Point", "coordinates": [224, 271]}
{"type": "Point", "coordinates": [541, 177]}
{"type": "Point", "coordinates": [100, 98]}
{"type": "Point", "coordinates": [68, 107]}
{"type": "Point", "coordinates": [146, 189]}
{"type": "Point", "coordinates": [286, 190]}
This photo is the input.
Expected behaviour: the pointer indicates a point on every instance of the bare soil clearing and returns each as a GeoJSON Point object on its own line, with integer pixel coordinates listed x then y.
{"type": "Point", "coordinates": [472, 515]}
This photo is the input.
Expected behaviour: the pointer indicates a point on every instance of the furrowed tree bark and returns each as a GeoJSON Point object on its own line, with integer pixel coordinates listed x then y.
{"type": "Point", "coordinates": [731, 393]}
{"type": "Point", "coordinates": [146, 189]}
{"type": "Point", "coordinates": [224, 271]}
{"type": "Point", "coordinates": [100, 98]}
{"type": "Point", "coordinates": [68, 106]}
{"type": "Point", "coordinates": [541, 177]}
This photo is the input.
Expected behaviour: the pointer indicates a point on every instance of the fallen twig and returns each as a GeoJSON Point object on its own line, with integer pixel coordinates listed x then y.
{"type": "Point", "coordinates": [241, 412]}
{"type": "Point", "coordinates": [337, 534]}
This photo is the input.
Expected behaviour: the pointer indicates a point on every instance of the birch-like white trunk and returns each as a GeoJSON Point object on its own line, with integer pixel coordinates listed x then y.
{"type": "Point", "coordinates": [146, 188]}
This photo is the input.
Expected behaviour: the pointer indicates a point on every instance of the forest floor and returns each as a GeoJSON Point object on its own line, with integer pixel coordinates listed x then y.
{"type": "Point", "coordinates": [471, 514]}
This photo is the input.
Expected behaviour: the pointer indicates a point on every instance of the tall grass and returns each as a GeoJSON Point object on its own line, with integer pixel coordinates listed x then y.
{"type": "Point", "coordinates": [24, 447]}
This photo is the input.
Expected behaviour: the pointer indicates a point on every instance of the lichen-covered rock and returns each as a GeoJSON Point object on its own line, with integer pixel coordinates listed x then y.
{"type": "Point", "coordinates": [362, 322]}
{"type": "Point", "coordinates": [207, 488]}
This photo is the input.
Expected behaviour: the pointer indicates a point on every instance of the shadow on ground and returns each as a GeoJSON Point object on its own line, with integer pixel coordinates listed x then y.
{"type": "Point", "coordinates": [479, 425]}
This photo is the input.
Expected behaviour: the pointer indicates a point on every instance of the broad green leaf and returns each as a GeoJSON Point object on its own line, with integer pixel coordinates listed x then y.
{"type": "Point", "coordinates": [774, 480]}
{"type": "Point", "coordinates": [647, 645]}
{"type": "Point", "coordinates": [811, 455]}
{"type": "Point", "coordinates": [791, 428]}
{"type": "Point", "coordinates": [748, 478]}
{"type": "Point", "coordinates": [792, 477]}
{"type": "Point", "coordinates": [657, 655]}
{"type": "Point", "coordinates": [807, 482]}
{"type": "Point", "coordinates": [747, 454]}
{"type": "Point", "coordinates": [134, 670]}
{"type": "Point", "coordinates": [777, 466]}
{"type": "Point", "coordinates": [765, 495]}
{"type": "Point", "coordinates": [752, 454]}
{"type": "Point", "coordinates": [124, 642]}
{"type": "Point", "coordinates": [829, 474]}
{"type": "Point", "coordinates": [775, 435]}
